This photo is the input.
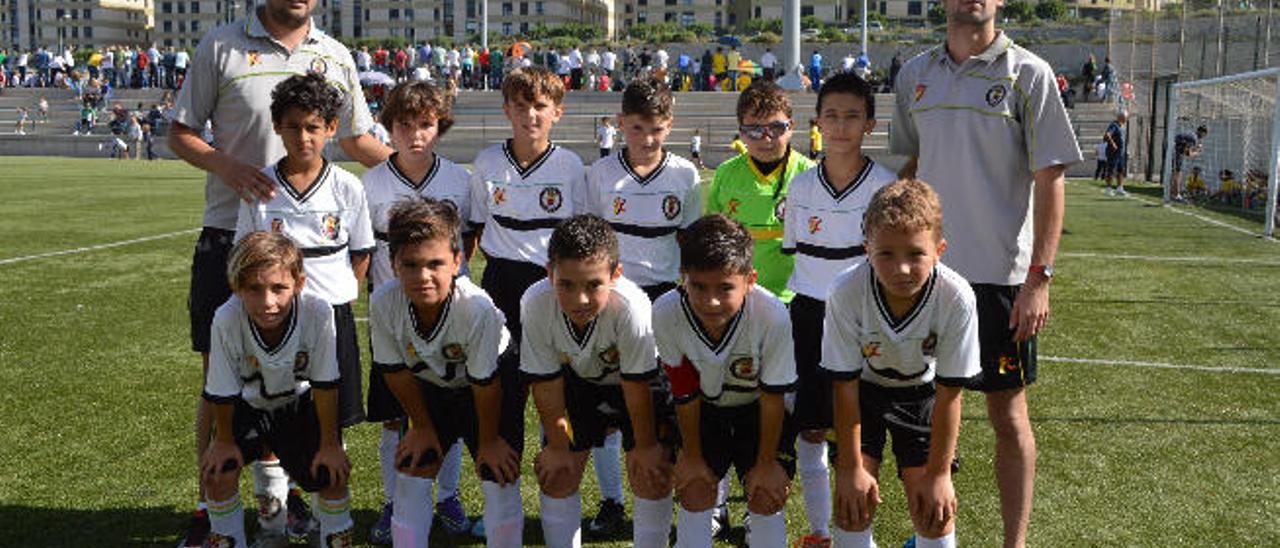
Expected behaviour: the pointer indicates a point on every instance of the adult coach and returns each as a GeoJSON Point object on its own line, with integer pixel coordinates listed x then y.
{"type": "Point", "coordinates": [1185, 145]}
{"type": "Point", "coordinates": [982, 121]}
{"type": "Point", "coordinates": [229, 84]}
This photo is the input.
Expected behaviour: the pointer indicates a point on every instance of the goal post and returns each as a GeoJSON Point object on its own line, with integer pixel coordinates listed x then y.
{"type": "Point", "coordinates": [1239, 160]}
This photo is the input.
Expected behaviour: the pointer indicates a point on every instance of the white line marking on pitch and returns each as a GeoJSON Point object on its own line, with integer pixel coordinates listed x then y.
{"type": "Point", "coordinates": [1159, 365]}
{"type": "Point", "coordinates": [1194, 215]}
{"type": "Point", "coordinates": [12, 260]}
{"type": "Point", "coordinates": [1170, 259]}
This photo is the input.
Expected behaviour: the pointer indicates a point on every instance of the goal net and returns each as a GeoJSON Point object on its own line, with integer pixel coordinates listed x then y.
{"type": "Point", "coordinates": [1235, 164]}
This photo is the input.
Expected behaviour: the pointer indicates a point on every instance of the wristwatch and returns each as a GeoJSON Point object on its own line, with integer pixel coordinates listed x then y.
{"type": "Point", "coordinates": [1044, 269]}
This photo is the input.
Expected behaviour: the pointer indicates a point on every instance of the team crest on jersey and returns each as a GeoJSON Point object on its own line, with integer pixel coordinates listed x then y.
{"type": "Point", "coordinates": [318, 66]}
{"type": "Point", "coordinates": [780, 209]}
{"type": "Point", "coordinates": [277, 225]}
{"type": "Point", "coordinates": [300, 362]}
{"type": "Point", "coordinates": [995, 95]}
{"type": "Point", "coordinates": [331, 225]}
{"type": "Point", "coordinates": [550, 199]}
{"type": "Point", "coordinates": [619, 205]}
{"type": "Point", "coordinates": [815, 224]}
{"type": "Point", "coordinates": [671, 206]}
{"type": "Point", "coordinates": [930, 345]}
{"type": "Point", "coordinates": [499, 196]}
{"type": "Point", "coordinates": [453, 352]}
{"type": "Point", "coordinates": [871, 350]}
{"type": "Point", "coordinates": [1008, 364]}
{"type": "Point", "coordinates": [732, 206]}
{"type": "Point", "coordinates": [920, 91]}
{"type": "Point", "coordinates": [255, 57]}
{"type": "Point", "coordinates": [745, 369]}
{"type": "Point", "coordinates": [610, 355]}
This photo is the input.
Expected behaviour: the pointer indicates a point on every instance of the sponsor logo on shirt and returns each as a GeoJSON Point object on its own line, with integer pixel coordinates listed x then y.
{"type": "Point", "coordinates": [255, 57]}
{"type": "Point", "coordinates": [920, 91]}
{"type": "Point", "coordinates": [619, 205]}
{"type": "Point", "coordinates": [871, 350]}
{"type": "Point", "coordinates": [815, 224]}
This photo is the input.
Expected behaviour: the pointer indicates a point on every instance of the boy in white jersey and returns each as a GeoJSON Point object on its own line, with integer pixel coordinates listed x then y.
{"type": "Point", "coordinates": [823, 230]}
{"type": "Point", "coordinates": [899, 327]}
{"type": "Point", "coordinates": [436, 339]}
{"type": "Point", "coordinates": [321, 207]}
{"type": "Point", "coordinates": [418, 114]}
{"type": "Point", "coordinates": [273, 382]}
{"type": "Point", "coordinates": [591, 362]}
{"type": "Point", "coordinates": [725, 344]}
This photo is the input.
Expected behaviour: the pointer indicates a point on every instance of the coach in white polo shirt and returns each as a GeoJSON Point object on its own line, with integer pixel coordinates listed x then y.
{"type": "Point", "coordinates": [229, 83]}
{"type": "Point", "coordinates": [984, 124]}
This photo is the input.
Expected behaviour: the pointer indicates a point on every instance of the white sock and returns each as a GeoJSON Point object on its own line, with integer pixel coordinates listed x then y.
{"type": "Point", "coordinates": [815, 479]}
{"type": "Point", "coordinates": [652, 522]}
{"type": "Point", "coordinates": [608, 463]}
{"type": "Point", "coordinates": [853, 539]}
{"type": "Point", "coordinates": [722, 491]}
{"type": "Point", "coordinates": [694, 529]}
{"type": "Point", "coordinates": [503, 515]}
{"type": "Point", "coordinates": [767, 530]}
{"type": "Point", "coordinates": [226, 518]}
{"type": "Point", "coordinates": [562, 521]}
{"type": "Point", "coordinates": [387, 462]}
{"type": "Point", "coordinates": [334, 516]}
{"type": "Point", "coordinates": [412, 513]}
{"type": "Point", "coordinates": [271, 487]}
{"type": "Point", "coordinates": [947, 541]}
{"type": "Point", "coordinates": [450, 472]}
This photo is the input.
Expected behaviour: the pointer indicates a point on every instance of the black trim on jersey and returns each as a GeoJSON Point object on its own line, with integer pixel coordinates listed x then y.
{"type": "Point", "coordinates": [858, 178]}
{"type": "Point", "coordinates": [647, 375]}
{"type": "Point", "coordinates": [219, 399]}
{"type": "Point", "coordinates": [325, 385]}
{"type": "Point", "coordinates": [626, 166]}
{"type": "Point", "coordinates": [292, 322]}
{"type": "Point", "coordinates": [364, 251]}
{"type": "Point", "coordinates": [415, 186]}
{"type": "Point", "coordinates": [842, 375]}
{"type": "Point", "coordinates": [739, 388]}
{"type": "Point", "coordinates": [511, 223]}
{"type": "Point", "coordinates": [441, 320]}
{"type": "Point", "coordinates": [643, 231]}
{"type": "Point", "coordinates": [779, 388]}
{"type": "Point", "coordinates": [716, 347]}
{"type": "Point", "coordinates": [381, 236]}
{"type": "Point", "coordinates": [388, 367]}
{"type": "Point", "coordinates": [579, 339]}
{"type": "Point", "coordinates": [830, 253]}
{"type": "Point", "coordinates": [537, 162]}
{"type": "Point", "coordinates": [482, 382]}
{"type": "Point", "coordinates": [539, 377]}
{"type": "Point", "coordinates": [322, 251]}
{"type": "Point", "coordinates": [891, 373]}
{"type": "Point", "coordinates": [899, 325]}
{"type": "Point", "coordinates": [311, 190]}
{"type": "Point", "coordinates": [954, 382]}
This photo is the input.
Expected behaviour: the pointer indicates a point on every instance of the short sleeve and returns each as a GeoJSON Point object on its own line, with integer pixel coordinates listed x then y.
{"type": "Point", "coordinates": [1047, 131]}
{"type": "Point", "coordinates": [594, 184]}
{"type": "Point", "coordinates": [713, 204]}
{"type": "Point", "coordinates": [693, 201]}
{"type": "Point", "coordinates": [777, 354]}
{"type": "Point", "coordinates": [222, 383]}
{"type": "Point", "coordinates": [245, 220]}
{"type": "Point", "coordinates": [357, 119]}
{"type": "Point", "coordinates": [199, 94]}
{"type": "Point", "coordinates": [465, 204]}
{"type": "Point", "coordinates": [958, 348]}
{"type": "Point", "coordinates": [479, 213]}
{"type": "Point", "coordinates": [841, 349]}
{"type": "Point", "coordinates": [578, 185]}
{"type": "Point", "coordinates": [538, 357]}
{"type": "Point", "coordinates": [788, 228]}
{"type": "Point", "coordinates": [360, 238]}
{"type": "Point", "coordinates": [323, 367]}
{"type": "Point", "coordinates": [903, 139]}
{"type": "Point", "coordinates": [635, 341]}
{"type": "Point", "coordinates": [487, 341]}
{"type": "Point", "coordinates": [387, 355]}
{"type": "Point", "coordinates": [665, 339]}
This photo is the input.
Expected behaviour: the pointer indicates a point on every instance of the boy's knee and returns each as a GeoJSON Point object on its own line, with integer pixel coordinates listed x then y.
{"type": "Point", "coordinates": [759, 506]}
{"type": "Point", "coordinates": [223, 487]}
{"type": "Point", "coordinates": [814, 436]}
{"type": "Point", "coordinates": [652, 491]}
{"type": "Point", "coordinates": [698, 497]}
{"type": "Point", "coordinates": [334, 492]}
{"type": "Point", "coordinates": [561, 486]}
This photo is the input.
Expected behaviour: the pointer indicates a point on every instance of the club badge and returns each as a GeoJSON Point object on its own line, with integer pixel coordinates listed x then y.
{"type": "Point", "coordinates": [277, 225]}
{"type": "Point", "coordinates": [331, 226]}
{"type": "Point", "coordinates": [744, 369]}
{"type": "Point", "coordinates": [930, 345]}
{"type": "Point", "coordinates": [610, 355]}
{"type": "Point", "coordinates": [300, 362]}
{"type": "Point", "coordinates": [318, 66]}
{"type": "Point", "coordinates": [499, 196]}
{"type": "Point", "coordinates": [871, 350]}
{"type": "Point", "coordinates": [550, 199]}
{"type": "Point", "coordinates": [453, 352]}
{"type": "Point", "coordinates": [671, 206]}
{"type": "Point", "coordinates": [995, 95]}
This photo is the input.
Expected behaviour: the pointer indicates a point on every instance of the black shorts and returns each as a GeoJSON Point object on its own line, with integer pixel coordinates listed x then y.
{"type": "Point", "coordinates": [1179, 153]}
{"type": "Point", "coordinates": [595, 409]}
{"type": "Point", "coordinates": [657, 290]}
{"type": "Point", "coordinates": [506, 281]}
{"type": "Point", "coordinates": [813, 392]}
{"type": "Point", "coordinates": [695, 154]}
{"type": "Point", "coordinates": [292, 432]}
{"type": "Point", "coordinates": [1115, 163]}
{"type": "Point", "coordinates": [453, 413]}
{"type": "Point", "coordinates": [382, 404]}
{"type": "Point", "coordinates": [605, 152]}
{"type": "Point", "coordinates": [209, 286]}
{"type": "Point", "coordinates": [731, 436]}
{"type": "Point", "coordinates": [1005, 363]}
{"type": "Point", "coordinates": [905, 413]}
{"type": "Point", "coordinates": [350, 400]}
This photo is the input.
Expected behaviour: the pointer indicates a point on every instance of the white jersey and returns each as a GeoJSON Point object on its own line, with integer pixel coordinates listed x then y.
{"type": "Point", "coordinates": [519, 207]}
{"type": "Point", "coordinates": [754, 354]}
{"type": "Point", "coordinates": [328, 222]}
{"type": "Point", "coordinates": [823, 227]}
{"type": "Point", "coordinates": [242, 366]}
{"type": "Point", "coordinates": [937, 340]}
{"type": "Point", "coordinates": [385, 184]}
{"type": "Point", "coordinates": [617, 344]}
{"type": "Point", "coordinates": [461, 348]}
{"type": "Point", "coordinates": [605, 136]}
{"type": "Point", "coordinates": [646, 212]}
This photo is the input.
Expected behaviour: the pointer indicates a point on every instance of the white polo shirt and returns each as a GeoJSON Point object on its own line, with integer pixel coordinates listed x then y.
{"type": "Point", "coordinates": [980, 130]}
{"type": "Point", "coordinates": [617, 344]}
{"type": "Point", "coordinates": [519, 207]}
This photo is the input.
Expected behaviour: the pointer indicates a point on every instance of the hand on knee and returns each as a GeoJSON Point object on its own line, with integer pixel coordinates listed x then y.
{"type": "Point", "coordinates": [698, 497]}
{"type": "Point", "coordinates": [764, 505]}
{"type": "Point", "coordinates": [561, 485]}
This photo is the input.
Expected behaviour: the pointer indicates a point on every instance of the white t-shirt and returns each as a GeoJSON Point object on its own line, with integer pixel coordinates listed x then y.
{"type": "Point", "coordinates": [755, 353]}
{"type": "Point", "coordinates": [608, 59]}
{"type": "Point", "coordinates": [328, 222]}
{"type": "Point", "coordinates": [519, 207]}
{"type": "Point", "coordinates": [467, 337]}
{"type": "Point", "coordinates": [385, 184]}
{"type": "Point", "coordinates": [937, 340]}
{"type": "Point", "coordinates": [695, 144]}
{"type": "Point", "coordinates": [606, 135]}
{"type": "Point", "coordinates": [242, 366]}
{"type": "Point", "coordinates": [617, 344]}
{"type": "Point", "coordinates": [1102, 150]}
{"type": "Point", "coordinates": [768, 60]}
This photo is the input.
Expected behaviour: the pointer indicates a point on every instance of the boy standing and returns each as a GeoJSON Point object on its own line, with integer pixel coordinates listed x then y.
{"type": "Point", "coordinates": [823, 231]}
{"type": "Point", "coordinates": [896, 326]}
{"type": "Point", "coordinates": [605, 136]}
{"type": "Point", "coordinates": [273, 381]}
{"type": "Point", "coordinates": [592, 368]}
{"type": "Point", "coordinates": [752, 188]}
{"type": "Point", "coordinates": [418, 114]}
{"type": "Point", "coordinates": [725, 344]}
{"type": "Point", "coordinates": [436, 338]}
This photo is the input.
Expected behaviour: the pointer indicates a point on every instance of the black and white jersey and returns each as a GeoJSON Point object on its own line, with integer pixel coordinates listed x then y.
{"type": "Point", "coordinates": [461, 348]}
{"type": "Point", "coordinates": [755, 352]}
{"type": "Point", "coordinates": [385, 184]}
{"type": "Point", "coordinates": [241, 365]}
{"type": "Point", "coordinates": [617, 344]}
{"type": "Point", "coordinates": [646, 212]}
{"type": "Point", "coordinates": [937, 340]}
{"type": "Point", "coordinates": [823, 226]}
{"type": "Point", "coordinates": [519, 207]}
{"type": "Point", "coordinates": [328, 222]}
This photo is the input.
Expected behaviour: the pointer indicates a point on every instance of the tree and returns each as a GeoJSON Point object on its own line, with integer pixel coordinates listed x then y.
{"type": "Point", "coordinates": [1020, 10]}
{"type": "Point", "coordinates": [1052, 10]}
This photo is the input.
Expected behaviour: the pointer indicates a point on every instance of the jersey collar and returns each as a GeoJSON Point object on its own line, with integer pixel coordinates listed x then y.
{"type": "Point", "coordinates": [579, 339]}
{"type": "Point", "coordinates": [858, 178]}
{"type": "Point", "coordinates": [441, 320]}
{"type": "Point", "coordinates": [715, 346]}
{"type": "Point", "coordinates": [417, 186]}
{"type": "Point", "coordinates": [537, 163]}
{"type": "Point", "coordinates": [319, 181]}
{"type": "Point", "coordinates": [253, 27]}
{"type": "Point", "coordinates": [997, 48]}
{"type": "Point", "coordinates": [900, 324]}
{"type": "Point", "coordinates": [626, 166]}
{"type": "Point", "coordinates": [291, 322]}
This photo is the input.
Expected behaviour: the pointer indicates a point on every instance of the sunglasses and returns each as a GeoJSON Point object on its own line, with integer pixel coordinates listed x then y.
{"type": "Point", "coordinates": [759, 131]}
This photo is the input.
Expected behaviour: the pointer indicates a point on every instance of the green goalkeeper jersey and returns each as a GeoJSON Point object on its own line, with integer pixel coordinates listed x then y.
{"type": "Point", "coordinates": [759, 201]}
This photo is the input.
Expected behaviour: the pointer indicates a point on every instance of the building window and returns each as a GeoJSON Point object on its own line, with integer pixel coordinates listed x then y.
{"type": "Point", "coordinates": [182, 8]}
{"type": "Point", "coordinates": [166, 7]}
{"type": "Point", "coordinates": [913, 8]}
{"type": "Point", "coordinates": [182, 26]}
{"type": "Point", "coordinates": [669, 2]}
{"type": "Point", "coordinates": [628, 9]}
{"type": "Point", "coordinates": [642, 16]}
{"type": "Point", "coordinates": [669, 17]}
{"type": "Point", "coordinates": [88, 32]}
{"type": "Point", "coordinates": [395, 13]}
{"type": "Point", "coordinates": [168, 26]}
{"type": "Point", "coordinates": [539, 8]}
{"type": "Point", "coordinates": [195, 7]}
{"type": "Point", "coordinates": [506, 29]}
{"type": "Point", "coordinates": [195, 26]}
{"type": "Point", "coordinates": [506, 9]}
{"type": "Point", "coordinates": [687, 19]}
{"type": "Point", "coordinates": [757, 15]}
{"type": "Point", "coordinates": [524, 27]}
{"type": "Point", "coordinates": [804, 11]}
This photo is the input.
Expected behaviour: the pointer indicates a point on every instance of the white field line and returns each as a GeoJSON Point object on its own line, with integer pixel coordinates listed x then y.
{"type": "Point", "coordinates": [85, 249]}
{"type": "Point", "coordinates": [1159, 365]}
{"type": "Point", "coordinates": [1170, 259]}
{"type": "Point", "coordinates": [1194, 215]}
